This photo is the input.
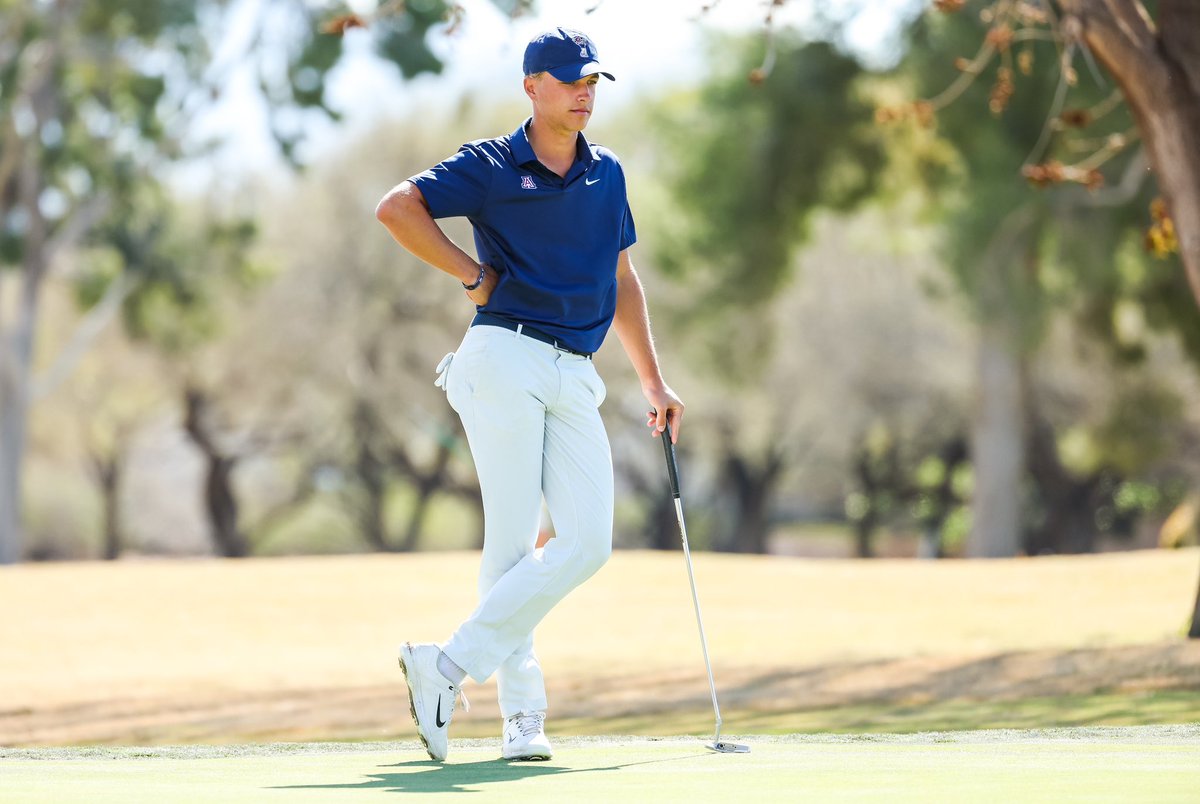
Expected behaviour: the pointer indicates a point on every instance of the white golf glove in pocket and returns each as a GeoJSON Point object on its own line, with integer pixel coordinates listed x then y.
{"type": "Point", "coordinates": [443, 370]}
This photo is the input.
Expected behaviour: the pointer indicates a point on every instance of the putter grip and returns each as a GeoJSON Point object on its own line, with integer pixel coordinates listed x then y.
{"type": "Point", "coordinates": [672, 466]}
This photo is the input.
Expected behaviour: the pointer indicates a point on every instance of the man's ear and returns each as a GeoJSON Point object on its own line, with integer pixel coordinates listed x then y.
{"type": "Point", "coordinates": [530, 87]}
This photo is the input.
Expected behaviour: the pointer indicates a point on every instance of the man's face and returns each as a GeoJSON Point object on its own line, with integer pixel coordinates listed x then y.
{"type": "Point", "coordinates": [564, 106]}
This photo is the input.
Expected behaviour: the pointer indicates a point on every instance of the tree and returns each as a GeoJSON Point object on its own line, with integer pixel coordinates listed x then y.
{"type": "Point", "coordinates": [1156, 62]}
{"type": "Point", "coordinates": [1007, 246]}
{"type": "Point", "coordinates": [1024, 259]}
{"type": "Point", "coordinates": [96, 95]}
{"type": "Point", "coordinates": [753, 168]}
{"type": "Point", "coordinates": [1155, 59]}
{"type": "Point", "coordinates": [366, 324]}
{"type": "Point", "coordinates": [109, 397]}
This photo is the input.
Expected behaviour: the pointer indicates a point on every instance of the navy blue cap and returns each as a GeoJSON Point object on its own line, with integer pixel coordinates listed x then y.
{"type": "Point", "coordinates": [565, 54]}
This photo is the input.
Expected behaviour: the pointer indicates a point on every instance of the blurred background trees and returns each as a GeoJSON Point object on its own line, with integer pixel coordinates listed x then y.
{"type": "Point", "coordinates": [890, 343]}
{"type": "Point", "coordinates": [96, 98]}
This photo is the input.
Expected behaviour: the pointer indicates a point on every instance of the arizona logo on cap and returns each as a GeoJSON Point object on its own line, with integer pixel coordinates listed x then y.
{"type": "Point", "coordinates": [565, 53]}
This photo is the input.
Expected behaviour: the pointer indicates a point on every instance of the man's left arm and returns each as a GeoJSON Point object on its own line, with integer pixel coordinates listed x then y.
{"type": "Point", "coordinates": [632, 325]}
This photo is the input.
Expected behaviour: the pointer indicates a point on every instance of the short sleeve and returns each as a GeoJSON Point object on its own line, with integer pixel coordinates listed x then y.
{"type": "Point", "coordinates": [458, 186]}
{"type": "Point", "coordinates": [628, 231]}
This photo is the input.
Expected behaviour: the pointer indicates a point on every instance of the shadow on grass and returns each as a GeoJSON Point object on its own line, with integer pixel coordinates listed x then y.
{"type": "Point", "coordinates": [427, 776]}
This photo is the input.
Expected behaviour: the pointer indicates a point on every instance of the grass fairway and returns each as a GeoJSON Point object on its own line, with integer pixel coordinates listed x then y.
{"type": "Point", "coordinates": [289, 649]}
{"type": "Point", "coordinates": [1153, 764]}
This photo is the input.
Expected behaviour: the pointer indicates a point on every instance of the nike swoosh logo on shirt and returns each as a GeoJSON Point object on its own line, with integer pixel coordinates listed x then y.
{"type": "Point", "coordinates": [590, 183]}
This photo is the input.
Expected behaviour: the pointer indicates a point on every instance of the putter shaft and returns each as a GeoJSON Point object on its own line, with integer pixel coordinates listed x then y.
{"type": "Point", "coordinates": [673, 472]}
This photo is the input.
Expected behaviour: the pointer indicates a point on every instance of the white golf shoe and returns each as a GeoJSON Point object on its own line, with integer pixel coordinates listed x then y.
{"type": "Point", "coordinates": [431, 696]}
{"type": "Point", "coordinates": [525, 737]}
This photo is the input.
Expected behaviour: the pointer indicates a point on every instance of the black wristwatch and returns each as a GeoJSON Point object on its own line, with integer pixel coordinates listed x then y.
{"type": "Point", "coordinates": [478, 281]}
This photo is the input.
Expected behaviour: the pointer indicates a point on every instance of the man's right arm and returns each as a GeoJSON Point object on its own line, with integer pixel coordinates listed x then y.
{"type": "Point", "coordinates": [406, 215]}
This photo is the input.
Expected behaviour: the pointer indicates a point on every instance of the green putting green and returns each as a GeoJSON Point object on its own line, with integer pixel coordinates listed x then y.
{"type": "Point", "coordinates": [1157, 763]}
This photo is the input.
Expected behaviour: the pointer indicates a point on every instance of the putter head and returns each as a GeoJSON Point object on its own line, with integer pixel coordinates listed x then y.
{"type": "Point", "coordinates": [725, 747]}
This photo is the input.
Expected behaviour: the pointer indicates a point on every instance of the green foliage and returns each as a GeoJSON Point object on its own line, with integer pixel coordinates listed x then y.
{"type": "Point", "coordinates": [1086, 253]}
{"type": "Point", "coordinates": [750, 165]}
{"type": "Point", "coordinates": [401, 39]}
{"type": "Point", "coordinates": [1133, 437]}
{"type": "Point", "coordinates": [1134, 498]}
{"type": "Point", "coordinates": [143, 20]}
{"type": "Point", "coordinates": [307, 73]}
{"type": "Point", "coordinates": [184, 263]}
{"type": "Point", "coordinates": [1026, 256]}
{"type": "Point", "coordinates": [956, 529]}
{"type": "Point", "coordinates": [123, 79]}
{"type": "Point", "coordinates": [118, 79]}
{"type": "Point", "coordinates": [752, 162]}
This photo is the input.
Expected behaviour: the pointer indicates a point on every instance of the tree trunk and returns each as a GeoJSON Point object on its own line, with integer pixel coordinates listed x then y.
{"type": "Point", "coordinates": [1158, 70]}
{"type": "Point", "coordinates": [662, 523]}
{"type": "Point", "coordinates": [659, 528]}
{"type": "Point", "coordinates": [1069, 503]}
{"type": "Point", "coordinates": [370, 471]}
{"type": "Point", "coordinates": [996, 446]}
{"type": "Point", "coordinates": [14, 384]}
{"type": "Point", "coordinates": [220, 501]}
{"type": "Point", "coordinates": [866, 521]}
{"type": "Point", "coordinates": [222, 507]}
{"type": "Point", "coordinates": [753, 488]}
{"type": "Point", "coordinates": [1194, 631]}
{"type": "Point", "coordinates": [426, 484]}
{"type": "Point", "coordinates": [864, 529]}
{"type": "Point", "coordinates": [16, 366]}
{"type": "Point", "coordinates": [943, 499]}
{"type": "Point", "coordinates": [24, 187]}
{"type": "Point", "coordinates": [998, 420]}
{"type": "Point", "coordinates": [108, 471]}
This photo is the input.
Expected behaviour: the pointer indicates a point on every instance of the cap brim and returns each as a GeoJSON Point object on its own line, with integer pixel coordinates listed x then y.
{"type": "Point", "coordinates": [573, 72]}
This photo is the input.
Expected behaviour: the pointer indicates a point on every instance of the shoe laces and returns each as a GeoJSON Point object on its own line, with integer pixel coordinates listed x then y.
{"type": "Point", "coordinates": [462, 696]}
{"type": "Point", "coordinates": [528, 723]}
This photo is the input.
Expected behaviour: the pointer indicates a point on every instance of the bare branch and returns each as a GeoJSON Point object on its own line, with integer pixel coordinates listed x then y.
{"type": "Point", "coordinates": [1035, 35]}
{"type": "Point", "coordinates": [960, 84]}
{"type": "Point", "coordinates": [1113, 145]}
{"type": "Point", "coordinates": [77, 224]}
{"type": "Point", "coordinates": [760, 73]}
{"type": "Point", "coordinates": [1127, 189]}
{"type": "Point", "coordinates": [1056, 107]}
{"type": "Point", "coordinates": [1104, 107]}
{"type": "Point", "coordinates": [85, 335]}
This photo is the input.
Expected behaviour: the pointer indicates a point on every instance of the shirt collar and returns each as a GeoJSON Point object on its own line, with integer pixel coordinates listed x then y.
{"type": "Point", "coordinates": [524, 154]}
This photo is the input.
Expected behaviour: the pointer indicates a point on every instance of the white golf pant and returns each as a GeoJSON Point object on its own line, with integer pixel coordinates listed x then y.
{"type": "Point", "coordinates": [531, 416]}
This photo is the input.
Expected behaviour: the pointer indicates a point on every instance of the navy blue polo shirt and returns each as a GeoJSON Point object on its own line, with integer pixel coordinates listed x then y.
{"type": "Point", "coordinates": [554, 241]}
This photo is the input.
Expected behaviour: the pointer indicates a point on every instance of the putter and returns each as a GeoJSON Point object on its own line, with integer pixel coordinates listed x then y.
{"type": "Point", "coordinates": [718, 745]}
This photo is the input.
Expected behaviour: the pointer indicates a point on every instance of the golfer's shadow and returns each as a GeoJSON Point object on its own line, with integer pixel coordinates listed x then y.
{"type": "Point", "coordinates": [459, 778]}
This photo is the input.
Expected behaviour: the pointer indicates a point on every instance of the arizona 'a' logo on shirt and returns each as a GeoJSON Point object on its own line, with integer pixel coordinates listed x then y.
{"type": "Point", "coordinates": [527, 183]}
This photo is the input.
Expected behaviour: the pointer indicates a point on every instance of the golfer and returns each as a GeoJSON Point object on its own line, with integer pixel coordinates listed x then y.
{"type": "Point", "coordinates": [552, 230]}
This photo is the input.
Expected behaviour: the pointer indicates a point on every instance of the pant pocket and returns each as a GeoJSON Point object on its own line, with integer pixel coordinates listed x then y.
{"type": "Point", "coordinates": [599, 389]}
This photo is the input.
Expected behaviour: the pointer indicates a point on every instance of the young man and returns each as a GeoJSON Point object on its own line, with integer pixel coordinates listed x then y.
{"type": "Point", "coordinates": [552, 230]}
